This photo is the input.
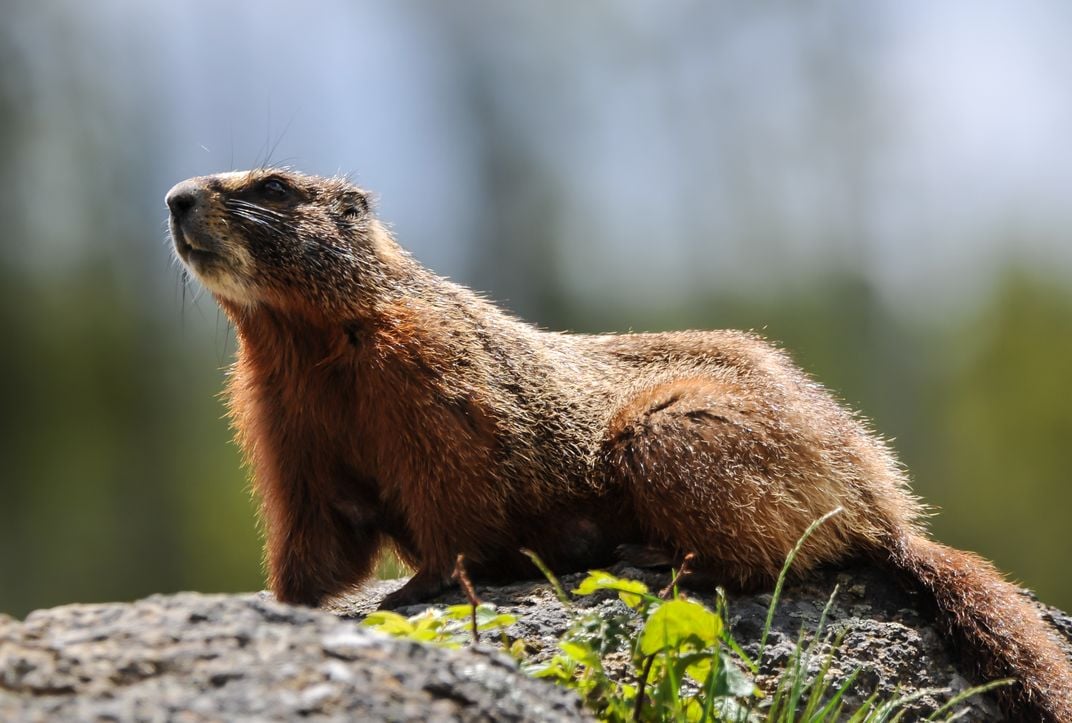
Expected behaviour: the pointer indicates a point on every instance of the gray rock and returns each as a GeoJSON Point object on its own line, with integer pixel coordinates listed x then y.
{"type": "Point", "coordinates": [193, 657]}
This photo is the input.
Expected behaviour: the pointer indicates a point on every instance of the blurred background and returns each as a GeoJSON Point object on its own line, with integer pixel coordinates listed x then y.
{"type": "Point", "coordinates": [886, 188]}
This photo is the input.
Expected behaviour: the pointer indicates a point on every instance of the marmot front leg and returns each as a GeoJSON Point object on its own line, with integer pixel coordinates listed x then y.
{"type": "Point", "coordinates": [423, 586]}
{"type": "Point", "coordinates": [315, 552]}
{"type": "Point", "coordinates": [425, 583]}
{"type": "Point", "coordinates": [434, 566]}
{"type": "Point", "coordinates": [712, 473]}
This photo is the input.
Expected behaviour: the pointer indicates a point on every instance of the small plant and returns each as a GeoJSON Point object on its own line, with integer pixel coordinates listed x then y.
{"type": "Point", "coordinates": [683, 663]}
{"type": "Point", "coordinates": [682, 667]}
{"type": "Point", "coordinates": [449, 627]}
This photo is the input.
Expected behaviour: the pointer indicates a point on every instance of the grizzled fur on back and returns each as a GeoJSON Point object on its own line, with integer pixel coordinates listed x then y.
{"type": "Point", "coordinates": [379, 404]}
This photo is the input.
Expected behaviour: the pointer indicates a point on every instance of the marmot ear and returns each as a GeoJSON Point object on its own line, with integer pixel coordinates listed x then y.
{"type": "Point", "coordinates": [353, 203]}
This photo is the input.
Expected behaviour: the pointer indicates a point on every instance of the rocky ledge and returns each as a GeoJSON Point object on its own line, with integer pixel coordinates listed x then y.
{"type": "Point", "coordinates": [194, 657]}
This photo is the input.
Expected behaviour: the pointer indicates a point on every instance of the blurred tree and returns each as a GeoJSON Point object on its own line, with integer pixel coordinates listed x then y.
{"type": "Point", "coordinates": [1006, 420]}
{"type": "Point", "coordinates": [116, 481]}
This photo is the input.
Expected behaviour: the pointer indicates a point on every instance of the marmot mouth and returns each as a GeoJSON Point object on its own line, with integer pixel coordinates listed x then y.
{"type": "Point", "coordinates": [193, 254]}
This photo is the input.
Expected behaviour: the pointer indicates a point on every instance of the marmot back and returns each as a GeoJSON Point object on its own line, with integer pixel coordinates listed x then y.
{"type": "Point", "coordinates": [379, 404]}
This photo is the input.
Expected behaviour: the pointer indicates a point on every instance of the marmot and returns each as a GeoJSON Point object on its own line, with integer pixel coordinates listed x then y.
{"type": "Point", "coordinates": [380, 404]}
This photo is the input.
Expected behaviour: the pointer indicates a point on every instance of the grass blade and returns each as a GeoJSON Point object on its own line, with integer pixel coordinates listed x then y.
{"type": "Point", "coordinates": [785, 571]}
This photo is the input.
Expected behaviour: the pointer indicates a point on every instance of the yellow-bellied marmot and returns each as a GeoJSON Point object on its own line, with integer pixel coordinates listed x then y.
{"type": "Point", "coordinates": [381, 404]}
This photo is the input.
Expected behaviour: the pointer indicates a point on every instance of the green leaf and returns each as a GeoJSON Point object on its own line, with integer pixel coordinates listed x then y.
{"type": "Point", "coordinates": [676, 621]}
{"type": "Point", "coordinates": [429, 620]}
{"type": "Point", "coordinates": [582, 654]}
{"type": "Point", "coordinates": [733, 681]}
{"type": "Point", "coordinates": [729, 709]}
{"type": "Point", "coordinates": [501, 620]}
{"type": "Point", "coordinates": [429, 635]}
{"type": "Point", "coordinates": [631, 592]}
{"type": "Point", "coordinates": [694, 710]}
{"type": "Point", "coordinates": [557, 668]}
{"type": "Point", "coordinates": [390, 623]}
{"type": "Point", "coordinates": [489, 618]}
{"type": "Point", "coordinates": [459, 612]}
{"type": "Point", "coordinates": [697, 665]}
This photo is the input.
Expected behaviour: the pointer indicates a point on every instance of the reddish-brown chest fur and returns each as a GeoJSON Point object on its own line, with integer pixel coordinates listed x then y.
{"type": "Point", "coordinates": [388, 424]}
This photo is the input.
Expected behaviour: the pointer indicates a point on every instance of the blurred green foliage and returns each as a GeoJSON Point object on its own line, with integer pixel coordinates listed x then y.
{"type": "Point", "coordinates": [118, 477]}
{"type": "Point", "coordinates": [120, 480]}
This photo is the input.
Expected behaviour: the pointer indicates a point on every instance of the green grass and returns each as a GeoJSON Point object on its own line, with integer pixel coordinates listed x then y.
{"type": "Point", "coordinates": [684, 663]}
{"type": "Point", "coordinates": [390, 567]}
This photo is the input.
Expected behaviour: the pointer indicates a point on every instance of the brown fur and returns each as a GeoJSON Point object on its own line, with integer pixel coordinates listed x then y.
{"type": "Point", "coordinates": [379, 404]}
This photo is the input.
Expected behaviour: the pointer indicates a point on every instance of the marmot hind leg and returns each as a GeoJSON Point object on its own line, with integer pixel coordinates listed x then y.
{"type": "Point", "coordinates": [709, 474]}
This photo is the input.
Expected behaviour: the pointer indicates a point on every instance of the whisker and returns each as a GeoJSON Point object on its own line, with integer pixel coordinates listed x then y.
{"type": "Point", "coordinates": [257, 213]}
{"type": "Point", "coordinates": [237, 202]}
{"type": "Point", "coordinates": [250, 216]}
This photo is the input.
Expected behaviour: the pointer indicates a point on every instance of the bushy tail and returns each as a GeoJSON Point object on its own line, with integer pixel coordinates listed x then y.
{"type": "Point", "coordinates": [996, 630]}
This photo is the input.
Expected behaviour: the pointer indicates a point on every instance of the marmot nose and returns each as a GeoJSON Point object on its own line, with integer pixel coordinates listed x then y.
{"type": "Point", "coordinates": [183, 197]}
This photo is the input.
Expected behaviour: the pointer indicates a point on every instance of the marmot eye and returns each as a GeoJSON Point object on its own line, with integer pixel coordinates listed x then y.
{"type": "Point", "coordinates": [275, 187]}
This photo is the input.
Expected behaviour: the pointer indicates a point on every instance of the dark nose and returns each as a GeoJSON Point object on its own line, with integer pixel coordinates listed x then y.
{"type": "Point", "coordinates": [183, 198]}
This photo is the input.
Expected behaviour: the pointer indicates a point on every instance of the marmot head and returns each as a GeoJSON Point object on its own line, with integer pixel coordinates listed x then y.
{"type": "Point", "coordinates": [279, 238]}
